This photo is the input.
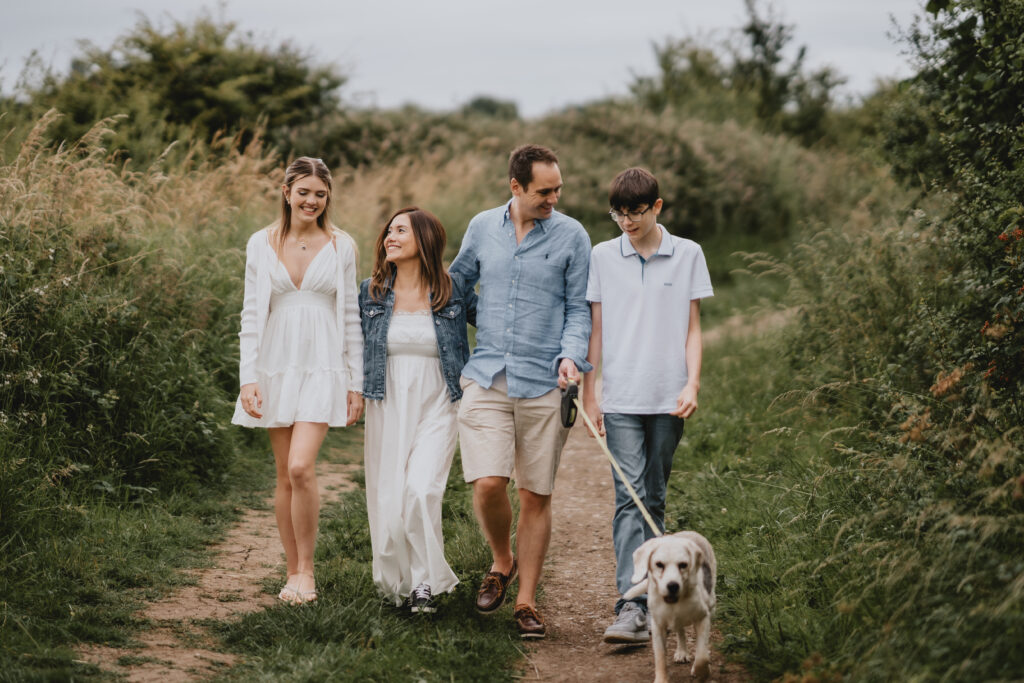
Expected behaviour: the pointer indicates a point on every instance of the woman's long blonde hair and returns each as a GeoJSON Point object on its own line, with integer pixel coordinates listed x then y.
{"type": "Point", "coordinates": [298, 169]}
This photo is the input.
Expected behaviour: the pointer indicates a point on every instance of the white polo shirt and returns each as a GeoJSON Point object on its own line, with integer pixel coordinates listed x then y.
{"type": "Point", "coordinates": [645, 316]}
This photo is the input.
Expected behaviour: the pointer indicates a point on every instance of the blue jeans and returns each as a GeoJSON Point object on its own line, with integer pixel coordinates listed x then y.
{"type": "Point", "coordinates": [644, 446]}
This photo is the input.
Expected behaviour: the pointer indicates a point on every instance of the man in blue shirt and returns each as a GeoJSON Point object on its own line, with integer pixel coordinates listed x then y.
{"type": "Point", "coordinates": [533, 327]}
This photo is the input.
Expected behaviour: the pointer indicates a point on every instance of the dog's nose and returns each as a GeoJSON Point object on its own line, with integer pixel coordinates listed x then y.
{"type": "Point", "coordinates": [672, 588]}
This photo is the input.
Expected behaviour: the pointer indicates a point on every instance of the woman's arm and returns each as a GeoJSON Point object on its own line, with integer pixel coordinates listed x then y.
{"type": "Point", "coordinates": [353, 330]}
{"type": "Point", "coordinates": [247, 337]}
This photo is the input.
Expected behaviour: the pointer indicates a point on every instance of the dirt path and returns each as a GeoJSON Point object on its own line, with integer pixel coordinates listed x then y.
{"type": "Point", "coordinates": [579, 584]}
{"type": "Point", "coordinates": [741, 325]}
{"type": "Point", "coordinates": [177, 647]}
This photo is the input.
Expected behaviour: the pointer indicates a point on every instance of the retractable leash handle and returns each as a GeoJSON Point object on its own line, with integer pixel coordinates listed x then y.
{"type": "Point", "coordinates": [569, 400]}
{"type": "Point", "coordinates": [618, 470]}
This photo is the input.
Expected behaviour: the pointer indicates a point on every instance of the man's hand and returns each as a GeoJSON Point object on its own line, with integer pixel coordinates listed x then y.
{"type": "Point", "coordinates": [686, 402]}
{"type": "Point", "coordinates": [567, 371]}
{"type": "Point", "coordinates": [593, 410]}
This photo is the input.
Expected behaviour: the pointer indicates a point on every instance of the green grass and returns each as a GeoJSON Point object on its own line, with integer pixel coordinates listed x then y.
{"type": "Point", "coordinates": [352, 633]}
{"type": "Point", "coordinates": [839, 550]}
{"type": "Point", "coordinates": [85, 582]}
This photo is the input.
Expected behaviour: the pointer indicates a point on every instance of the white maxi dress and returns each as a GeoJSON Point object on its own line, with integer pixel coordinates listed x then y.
{"type": "Point", "coordinates": [299, 370]}
{"type": "Point", "coordinates": [410, 443]}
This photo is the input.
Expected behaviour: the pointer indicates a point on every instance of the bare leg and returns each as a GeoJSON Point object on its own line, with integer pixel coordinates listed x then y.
{"type": "Point", "coordinates": [494, 514]}
{"type": "Point", "coordinates": [305, 509]}
{"type": "Point", "coordinates": [280, 441]}
{"type": "Point", "coordinates": [532, 538]}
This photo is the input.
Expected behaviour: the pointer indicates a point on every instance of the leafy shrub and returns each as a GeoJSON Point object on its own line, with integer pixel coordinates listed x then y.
{"type": "Point", "coordinates": [912, 329]}
{"type": "Point", "coordinates": [186, 82]}
{"type": "Point", "coordinates": [722, 183]}
{"type": "Point", "coordinates": [112, 353]}
{"type": "Point", "coordinates": [749, 82]}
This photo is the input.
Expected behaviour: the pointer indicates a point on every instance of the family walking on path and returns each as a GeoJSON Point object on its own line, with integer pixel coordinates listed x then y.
{"type": "Point", "coordinates": [313, 347]}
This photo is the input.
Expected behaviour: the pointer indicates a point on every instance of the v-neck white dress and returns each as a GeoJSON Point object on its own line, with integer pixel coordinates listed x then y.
{"type": "Point", "coordinates": [299, 368]}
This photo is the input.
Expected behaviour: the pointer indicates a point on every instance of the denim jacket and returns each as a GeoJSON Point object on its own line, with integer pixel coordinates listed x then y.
{"type": "Point", "coordinates": [449, 323]}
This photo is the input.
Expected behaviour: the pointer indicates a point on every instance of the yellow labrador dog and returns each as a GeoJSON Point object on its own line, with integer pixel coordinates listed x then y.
{"type": "Point", "coordinates": [680, 571]}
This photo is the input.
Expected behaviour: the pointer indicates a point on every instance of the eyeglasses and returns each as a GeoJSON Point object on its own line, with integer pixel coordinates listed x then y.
{"type": "Point", "coordinates": [633, 216]}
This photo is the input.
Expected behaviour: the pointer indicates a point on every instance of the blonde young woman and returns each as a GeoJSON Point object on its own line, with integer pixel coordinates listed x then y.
{"type": "Point", "coordinates": [301, 347]}
{"type": "Point", "coordinates": [414, 327]}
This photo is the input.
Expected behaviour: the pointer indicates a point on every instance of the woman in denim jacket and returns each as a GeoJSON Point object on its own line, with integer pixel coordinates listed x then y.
{"type": "Point", "coordinates": [414, 317]}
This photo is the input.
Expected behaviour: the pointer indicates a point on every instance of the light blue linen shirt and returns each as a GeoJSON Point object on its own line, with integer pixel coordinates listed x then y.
{"type": "Point", "coordinates": [532, 310]}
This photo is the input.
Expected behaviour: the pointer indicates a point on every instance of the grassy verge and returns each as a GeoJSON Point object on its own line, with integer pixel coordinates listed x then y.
{"type": "Point", "coordinates": [352, 634]}
{"type": "Point", "coordinates": [86, 582]}
{"type": "Point", "coordinates": [834, 561]}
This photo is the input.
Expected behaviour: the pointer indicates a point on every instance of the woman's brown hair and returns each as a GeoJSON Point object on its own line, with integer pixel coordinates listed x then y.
{"type": "Point", "coordinates": [430, 240]}
{"type": "Point", "coordinates": [298, 169]}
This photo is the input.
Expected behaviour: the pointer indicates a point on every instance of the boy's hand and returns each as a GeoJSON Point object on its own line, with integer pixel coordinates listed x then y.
{"type": "Point", "coordinates": [686, 403]}
{"type": "Point", "coordinates": [593, 411]}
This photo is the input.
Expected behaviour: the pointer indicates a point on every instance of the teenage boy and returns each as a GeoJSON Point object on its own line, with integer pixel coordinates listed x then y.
{"type": "Point", "coordinates": [645, 288]}
{"type": "Point", "coordinates": [532, 324]}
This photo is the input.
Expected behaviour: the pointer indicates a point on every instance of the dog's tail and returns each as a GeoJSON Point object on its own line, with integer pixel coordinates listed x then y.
{"type": "Point", "coordinates": [636, 591]}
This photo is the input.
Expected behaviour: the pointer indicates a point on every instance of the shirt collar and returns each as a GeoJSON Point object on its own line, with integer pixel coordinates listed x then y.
{"type": "Point", "coordinates": [666, 248]}
{"type": "Point", "coordinates": [537, 222]}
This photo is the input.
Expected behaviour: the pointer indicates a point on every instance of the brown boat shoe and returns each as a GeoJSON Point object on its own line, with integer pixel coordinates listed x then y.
{"type": "Point", "coordinates": [529, 622]}
{"type": "Point", "coordinates": [493, 589]}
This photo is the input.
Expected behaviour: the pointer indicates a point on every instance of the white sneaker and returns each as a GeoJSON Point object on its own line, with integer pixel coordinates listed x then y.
{"type": "Point", "coordinates": [630, 626]}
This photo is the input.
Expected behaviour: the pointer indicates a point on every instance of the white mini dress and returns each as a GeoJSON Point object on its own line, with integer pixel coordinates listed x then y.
{"type": "Point", "coordinates": [299, 368]}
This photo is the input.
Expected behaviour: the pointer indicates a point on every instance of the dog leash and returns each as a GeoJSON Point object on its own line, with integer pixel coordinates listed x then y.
{"type": "Point", "coordinates": [572, 395]}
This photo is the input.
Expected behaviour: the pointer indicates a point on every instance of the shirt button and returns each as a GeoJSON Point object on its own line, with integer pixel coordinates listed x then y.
{"type": "Point", "coordinates": [437, 322]}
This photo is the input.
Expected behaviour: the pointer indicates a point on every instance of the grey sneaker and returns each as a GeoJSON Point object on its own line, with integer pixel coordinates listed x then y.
{"type": "Point", "coordinates": [420, 600]}
{"type": "Point", "coordinates": [630, 626]}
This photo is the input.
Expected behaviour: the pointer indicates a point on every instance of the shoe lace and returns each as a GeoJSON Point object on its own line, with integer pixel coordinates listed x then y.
{"type": "Point", "coordinates": [490, 579]}
{"type": "Point", "coordinates": [628, 615]}
{"type": "Point", "coordinates": [421, 593]}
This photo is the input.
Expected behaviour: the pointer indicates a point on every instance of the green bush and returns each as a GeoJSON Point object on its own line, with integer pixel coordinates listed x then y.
{"type": "Point", "coordinates": [181, 83]}
{"type": "Point", "coordinates": [724, 185]}
{"type": "Point", "coordinates": [115, 356]}
{"type": "Point", "coordinates": [908, 339]}
{"type": "Point", "coordinates": [744, 80]}
{"type": "Point", "coordinates": [119, 301]}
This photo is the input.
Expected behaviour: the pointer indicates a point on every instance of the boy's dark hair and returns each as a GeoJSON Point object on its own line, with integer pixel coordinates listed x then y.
{"type": "Point", "coordinates": [633, 187]}
{"type": "Point", "coordinates": [521, 160]}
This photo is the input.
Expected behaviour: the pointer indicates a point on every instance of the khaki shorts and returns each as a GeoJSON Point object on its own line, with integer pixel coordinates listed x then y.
{"type": "Point", "coordinates": [501, 436]}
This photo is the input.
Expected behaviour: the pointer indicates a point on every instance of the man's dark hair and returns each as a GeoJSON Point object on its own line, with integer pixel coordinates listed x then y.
{"type": "Point", "coordinates": [632, 188]}
{"type": "Point", "coordinates": [520, 162]}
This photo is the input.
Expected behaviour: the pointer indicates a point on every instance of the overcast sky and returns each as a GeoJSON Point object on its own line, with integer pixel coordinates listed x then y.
{"type": "Point", "coordinates": [542, 54]}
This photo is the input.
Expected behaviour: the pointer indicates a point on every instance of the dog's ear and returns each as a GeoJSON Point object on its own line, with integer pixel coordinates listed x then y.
{"type": "Point", "coordinates": [641, 556]}
{"type": "Point", "coordinates": [697, 555]}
